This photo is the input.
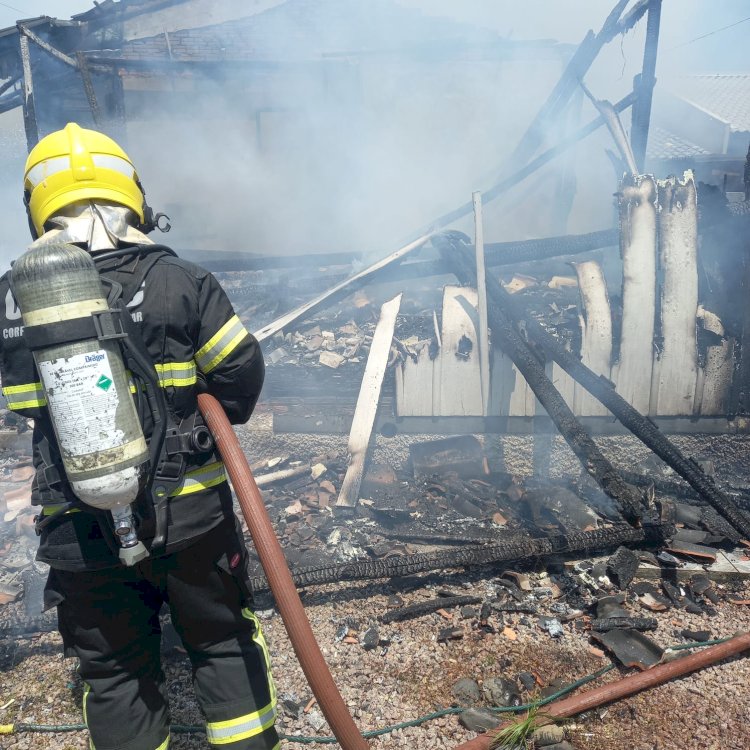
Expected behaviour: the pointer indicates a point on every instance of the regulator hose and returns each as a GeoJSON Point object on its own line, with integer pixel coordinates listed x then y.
{"type": "Point", "coordinates": [279, 578]}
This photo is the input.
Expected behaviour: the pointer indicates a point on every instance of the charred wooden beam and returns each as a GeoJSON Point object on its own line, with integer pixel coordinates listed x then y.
{"type": "Point", "coordinates": [498, 254]}
{"type": "Point", "coordinates": [339, 291]}
{"type": "Point", "coordinates": [46, 46]}
{"type": "Point", "coordinates": [641, 426]}
{"type": "Point", "coordinates": [632, 17]}
{"type": "Point", "coordinates": [88, 87]}
{"type": "Point", "coordinates": [29, 110]}
{"type": "Point", "coordinates": [616, 129]}
{"type": "Point", "coordinates": [604, 624]}
{"type": "Point", "coordinates": [512, 253]}
{"type": "Point", "coordinates": [583, 541]}
{"type": "Point", "coordinates": [559, 97]}
{"type": "Point", "coordinates": [426, 608]}
{"type": "Point", "coordinates": [644, 85]}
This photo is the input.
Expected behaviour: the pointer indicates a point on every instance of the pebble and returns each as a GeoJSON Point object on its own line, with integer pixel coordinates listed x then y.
{"type": "Point", "coordinates": [479, 719]}
{"type": "Point", "coordinates": [466, 692]}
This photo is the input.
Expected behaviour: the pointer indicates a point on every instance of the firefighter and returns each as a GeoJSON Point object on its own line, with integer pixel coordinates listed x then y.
{"type": "Point", "coordinates": [81, 188]}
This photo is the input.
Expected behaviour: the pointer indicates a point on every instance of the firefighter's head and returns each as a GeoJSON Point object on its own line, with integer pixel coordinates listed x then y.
{"type": "Point", "coordinates": [76, 165]}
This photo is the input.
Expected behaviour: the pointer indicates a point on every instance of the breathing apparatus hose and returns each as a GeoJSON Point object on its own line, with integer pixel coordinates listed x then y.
{"type": "Point", "coordinates": [279, 578]}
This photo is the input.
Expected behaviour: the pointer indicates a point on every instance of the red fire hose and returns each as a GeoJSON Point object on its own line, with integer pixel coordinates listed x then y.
{"type": "Point", "coordinates": [279, 578]}
{"type": "Point", "coordinates": [627, 686]}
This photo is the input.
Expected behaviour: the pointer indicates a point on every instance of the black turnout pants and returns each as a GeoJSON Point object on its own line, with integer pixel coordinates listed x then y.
{"type": "Point", "coordinates": [109, 619]}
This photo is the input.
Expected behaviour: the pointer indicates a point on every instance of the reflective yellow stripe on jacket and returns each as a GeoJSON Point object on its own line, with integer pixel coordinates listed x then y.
{"type": "Point", "coordinates": [24, 396]}
{"type": "Point", "coordinates": [176, 373]}
{"type": "Point", "coordinates": [196, 480]}
{"type": "Point", "coordinates": [221, 344]}
{"type": "Point", "coordinates": [201, 479]}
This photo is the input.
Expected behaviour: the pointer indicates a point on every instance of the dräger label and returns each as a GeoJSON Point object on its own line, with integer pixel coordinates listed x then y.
{"type": "Point", "coordinates": [82, 402]}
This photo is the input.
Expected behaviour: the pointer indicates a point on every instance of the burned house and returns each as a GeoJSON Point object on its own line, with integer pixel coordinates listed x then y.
{"type": "Point", "coordinates": [279, 109]}
{"type": "Point", "coordinates": [479, 395]}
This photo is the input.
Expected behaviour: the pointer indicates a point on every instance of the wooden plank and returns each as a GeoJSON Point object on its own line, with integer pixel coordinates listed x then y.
{"type": "Point", "coordinates": [460, 378]}
{"type": "Point", "coordinates": [501, 383]}
{"type": "Point", "coordinates": [596, 333]}
{"type": "Point", "coordinates": [436, 368]}
{"type": "Point", "coordinates": [367, 402]}
{"type": "Point", "coordinates": [339, 291]}
{"type": "Point", "coordinates": [564, 383]}
{"type": "Point", "coordinates": [414, 384]}
{"type": "Point", "coordinates": [616, 130]}
{"type": "Point", "coordinates": [638, 246]}
{"type": "Point", "coordinates": [522, 399]}
{"type": "Point", "coordinates": [483, 338]}
{"type": "Point", "coordinates": [673, 389]}
{"type": "Point", "coordinates": [714, 382]}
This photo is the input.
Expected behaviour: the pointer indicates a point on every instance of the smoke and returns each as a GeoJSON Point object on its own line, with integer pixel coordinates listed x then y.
{"type": "Point", "coordinates": [364, 121]}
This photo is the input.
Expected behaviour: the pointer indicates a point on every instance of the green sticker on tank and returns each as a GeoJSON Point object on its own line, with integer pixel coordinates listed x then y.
{"type": "Point", "coordinates": [104, 383]}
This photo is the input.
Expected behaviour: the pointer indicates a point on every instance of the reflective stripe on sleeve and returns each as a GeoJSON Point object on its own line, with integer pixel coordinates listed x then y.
{"type": "Point", "coordinates": [201, 479]}
{"type": "Point", "coordinates": [176, 373]}
{"type": "Point", "coordinates": [221, 344]}
{"type": "Point", "coordinates": [234, 730]}
{"type": "Point", "coordinates": [25, 396]}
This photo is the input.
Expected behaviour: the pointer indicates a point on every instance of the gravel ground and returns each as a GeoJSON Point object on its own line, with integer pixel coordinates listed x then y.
{"type": "Point", "coordinates": [415, 674]}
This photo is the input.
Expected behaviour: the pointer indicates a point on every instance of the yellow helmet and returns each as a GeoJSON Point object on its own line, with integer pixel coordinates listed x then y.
{"type": "Point", "coordinates": [74, 164]}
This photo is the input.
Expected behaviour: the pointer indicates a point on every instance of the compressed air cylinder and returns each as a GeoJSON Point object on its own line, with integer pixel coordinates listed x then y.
{"type": "Point", "coordinates": [87, 388]}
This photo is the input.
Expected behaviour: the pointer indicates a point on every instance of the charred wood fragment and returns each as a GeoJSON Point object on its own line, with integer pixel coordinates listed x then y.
{"type": "Point", "coordinates": [426, 608]}
{"type": "Point", "coordinates": [604, 624]}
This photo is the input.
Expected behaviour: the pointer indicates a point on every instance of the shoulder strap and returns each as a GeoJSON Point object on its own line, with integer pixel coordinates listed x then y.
{"type": "Point", "coordinates": [132, 273]}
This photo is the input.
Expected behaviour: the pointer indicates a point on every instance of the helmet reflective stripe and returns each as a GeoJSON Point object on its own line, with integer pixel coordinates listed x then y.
{"type": "Point", "coordinates": [41, 171]}
{"type": "Point", "coordinates": [115, 162]}
{"type": "Point", "coordinates": [44, 169]}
